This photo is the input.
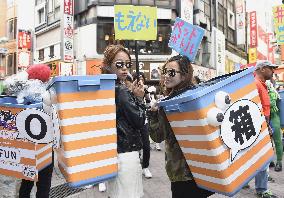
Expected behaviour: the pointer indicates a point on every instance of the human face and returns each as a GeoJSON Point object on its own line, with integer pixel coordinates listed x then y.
{"type": "Point", "coordinates": [170, 80]}
{"type": "Point", "coordinates": [121, 70]}
{"type": "Point", "coordinates": [268, 72]}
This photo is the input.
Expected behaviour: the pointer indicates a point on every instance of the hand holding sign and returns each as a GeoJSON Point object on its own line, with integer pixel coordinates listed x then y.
{"type": "Point", "coordinates": [240, 127]}
{"type": "Point", "coordinates": [186, 38]}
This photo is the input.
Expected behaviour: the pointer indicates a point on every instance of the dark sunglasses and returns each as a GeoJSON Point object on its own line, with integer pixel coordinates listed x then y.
{"type": "Point", "coordinates": [170, 72]}
{"type": "Point", "coordinates": [121, 64]}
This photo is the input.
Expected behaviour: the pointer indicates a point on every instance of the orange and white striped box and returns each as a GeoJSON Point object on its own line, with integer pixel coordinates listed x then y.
{"type": "Point", "coordinates": [21, 157]}
{"type": "Point", "coordinates": [222, 132]}
{"type": "Point", "coordinates": [87, 119]}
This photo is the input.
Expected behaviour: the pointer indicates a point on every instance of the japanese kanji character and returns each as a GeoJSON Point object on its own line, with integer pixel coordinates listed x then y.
{"type": "Point", "coordinates": [243, 126]}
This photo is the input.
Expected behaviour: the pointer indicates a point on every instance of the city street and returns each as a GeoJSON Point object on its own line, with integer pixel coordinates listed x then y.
{"type": "Point", "coordinates": [159, 185]}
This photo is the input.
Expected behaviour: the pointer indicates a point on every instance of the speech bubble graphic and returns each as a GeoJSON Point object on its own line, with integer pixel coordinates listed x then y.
{"type": "Point", "coordinates": [241, 126]}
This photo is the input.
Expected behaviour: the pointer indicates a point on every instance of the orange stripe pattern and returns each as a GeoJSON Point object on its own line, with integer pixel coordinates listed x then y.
{"type": "Point", "coordinates": [78, 152]}
{"type": "Point", "coordinates": [209, 159]}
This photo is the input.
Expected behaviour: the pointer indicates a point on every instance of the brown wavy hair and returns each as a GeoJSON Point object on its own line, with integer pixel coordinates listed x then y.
{"type": "Point", "coordinates": [109, 55]}
{"type": "Point", "coordinates": [186, 71]}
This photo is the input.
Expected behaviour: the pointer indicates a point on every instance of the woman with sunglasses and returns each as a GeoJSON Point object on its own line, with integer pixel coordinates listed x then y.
{"type": "Point", "coordinates": [130, 118]}
{"type": "Point", "coordinates": [177, 74]}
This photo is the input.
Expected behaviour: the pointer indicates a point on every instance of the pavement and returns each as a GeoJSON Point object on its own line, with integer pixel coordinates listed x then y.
{"type": "Point", "coordinates": [156, 187]}
{"type": "Point", "coordinates": [159, 186]}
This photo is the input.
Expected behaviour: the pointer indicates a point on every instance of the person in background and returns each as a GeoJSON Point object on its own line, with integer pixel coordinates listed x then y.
{"type": "Point", "coordinates": [144, 132]}
{"type": "Point", "coordinates": [275, 121]}
{"type": "Point", "coordinates": [130, 119]}
{"type": "Point", "coordinates": [41, 72]}
{"type": "Point", "coordinates": [264, 71]}
{"type": "Point", "coordinates": [177, 74]}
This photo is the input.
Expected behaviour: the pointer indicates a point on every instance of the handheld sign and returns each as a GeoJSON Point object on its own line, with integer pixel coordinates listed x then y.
{"type": "Point", "coordinates": [186, 38]}
{"type": "Point", "coordinates": [135, 22]}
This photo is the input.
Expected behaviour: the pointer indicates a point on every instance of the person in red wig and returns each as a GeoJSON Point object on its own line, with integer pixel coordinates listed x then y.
{"type": "Point", "coordinates": [41, 72]}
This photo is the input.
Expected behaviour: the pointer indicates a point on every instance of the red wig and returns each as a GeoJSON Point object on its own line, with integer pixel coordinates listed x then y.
{"type": "Point", "coordinates": [40, 71]}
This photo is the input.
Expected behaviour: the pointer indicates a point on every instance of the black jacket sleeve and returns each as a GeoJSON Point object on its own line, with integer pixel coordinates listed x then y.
{"type": "Point", "coordinates": [131, 107]}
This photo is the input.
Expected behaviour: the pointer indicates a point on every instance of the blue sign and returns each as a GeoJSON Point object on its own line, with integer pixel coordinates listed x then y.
{"type": "Point", "coordinates": [186, 38]}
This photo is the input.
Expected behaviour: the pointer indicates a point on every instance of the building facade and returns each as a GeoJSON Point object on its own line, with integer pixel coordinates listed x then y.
{"type": "Point", "coordinates": [8, 37]}
{"type": "Point", "coordinates": [220, 49]}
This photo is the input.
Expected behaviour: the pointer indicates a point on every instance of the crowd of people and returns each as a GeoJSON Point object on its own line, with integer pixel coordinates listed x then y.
{"type": "Point", "coordinates": [139, 121]}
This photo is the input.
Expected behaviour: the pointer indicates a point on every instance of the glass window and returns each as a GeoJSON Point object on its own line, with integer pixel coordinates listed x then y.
{"type": "Point", "coordinates": [10, 60]}
{"type": "Point", "coordinates": [12, 29]}
{"type": "Point", "coordinates": [105, 36]}
{"type": "Point", "coordinates": [207, 9]}
{"type": "Point", "coordinates": [41, 17]}
{"type": "Point", "coordinates": [221, 14]}
{"type": "Point", "coordinates": [50, 6]}
{"type": "Point", "coordinates": [41, 54]}
{"type": "Point", "coordinates": [51, 51]}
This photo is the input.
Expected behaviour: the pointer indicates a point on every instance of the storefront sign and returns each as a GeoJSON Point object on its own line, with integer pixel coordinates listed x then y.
{"type": "Point", "coordinates": [24, 40]}
{"type": "Point", "coordinates": [252, 55]}
{"type": "Point", "coordinates": [240, 22]}
{"type": "Point", "coordinates": [67, 31]}
{"type": "Point", "coordinates": [93, 67]}
{"type": "Point", "coordinates": [253, 29]}
{"type": "Point", "coordinates": [278, 12]}
{"type": "Point", "coordinates": [218, 46]}
{"type": "Point", "coordinates": [68, 7]}
{"type": "Point", "coordinates": [135, 22]}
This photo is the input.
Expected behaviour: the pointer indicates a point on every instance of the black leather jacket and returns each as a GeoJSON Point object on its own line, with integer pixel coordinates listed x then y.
{"type": "Point", "coordinates": [130, 118]}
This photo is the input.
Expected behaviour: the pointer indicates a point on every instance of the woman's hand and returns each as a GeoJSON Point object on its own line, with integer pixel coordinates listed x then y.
{"type": "Point", "coordinates": [138, 89]}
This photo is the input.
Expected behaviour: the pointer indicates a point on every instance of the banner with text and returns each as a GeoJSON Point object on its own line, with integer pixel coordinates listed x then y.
{"type": "Point", "coordinates": [186, 38]}
{"type": "Point", "coordinates": [135, 22]}
{"type": "Point", "coordinates": [278, 14]}
{"type": "Point", "coordinates": [253, 29]}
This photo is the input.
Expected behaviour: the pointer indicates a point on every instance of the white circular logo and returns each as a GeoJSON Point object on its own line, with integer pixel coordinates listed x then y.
{"type": "Point", "coordinates": [35, 126]}
{"type": "Point", "coordinates": [241, 126]}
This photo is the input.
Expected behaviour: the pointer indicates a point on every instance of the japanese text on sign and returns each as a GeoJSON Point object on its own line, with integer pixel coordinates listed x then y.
{"type": "Point", "coordinates": [68, 7]}
{"type": "Point", "coordinates": [241, 126]}
{"type": "Point", "coordinates": [278, 15]}
{"type": "Point", "coordinates": [253, 29]}
{"type": "Point", "coordinates": [24, 40]}
{"type": "Point", "coordinates": [186, 38]}
{"type": "Point", "coordinates": [135, 22]}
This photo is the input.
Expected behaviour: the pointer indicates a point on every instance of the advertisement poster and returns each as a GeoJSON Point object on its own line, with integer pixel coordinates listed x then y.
{"type": "Point", "coordinates": [155, 73]}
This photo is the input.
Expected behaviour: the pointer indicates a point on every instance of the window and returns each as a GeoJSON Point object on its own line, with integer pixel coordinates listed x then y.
{"type": "Point", "coordinates": [105, 36]}
{"type": "Point", "coordinates": [51, 51]}
{"type": "Point", "coordinates": [41, 16]}
{"type": "Point", "coordinates": [221, 13]}
{"type": "Point", "coordinates": [41, 54]}
{"type": "Point", "coordinates": [12, 28]}
{"type": "Point", "coordinates": [207, 8]}
{"type": "Point", "coordinates": [50, 6]}
{"type": "Point", "coordinates": [226, 19]}
{"type": "Point", "coordinates": [10, 60]}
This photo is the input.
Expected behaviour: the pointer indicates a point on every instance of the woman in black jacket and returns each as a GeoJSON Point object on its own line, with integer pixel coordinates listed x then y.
{"type": "Point", "coordinates": [130, 118]}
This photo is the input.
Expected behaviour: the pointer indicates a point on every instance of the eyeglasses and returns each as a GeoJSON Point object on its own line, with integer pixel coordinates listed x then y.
{"type": "Point", "coordinates": [170, 72]}
{"type": "Point", "coordinates": [121, 64]}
